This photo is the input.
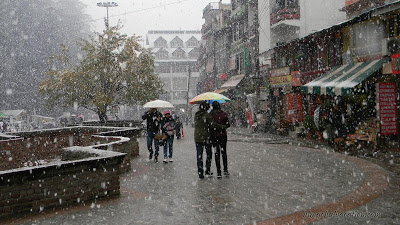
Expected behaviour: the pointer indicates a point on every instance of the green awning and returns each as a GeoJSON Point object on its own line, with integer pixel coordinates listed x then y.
{"type": "Point", "coordinates": [341, 80]}
{"type": "Point", "coordinates": [3, 115]}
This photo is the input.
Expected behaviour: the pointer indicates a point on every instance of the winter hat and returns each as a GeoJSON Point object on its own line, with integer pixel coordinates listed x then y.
{"type": "Point", "coordinates": [204, 105]}
{"type": "Point", "coordinates": [216, 105]}
{"type": "Point", "coordinates": [167, 112]}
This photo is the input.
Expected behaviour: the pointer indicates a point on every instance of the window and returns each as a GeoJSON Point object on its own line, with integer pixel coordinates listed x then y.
{"type": "Point", "coordinates": [192, 42]}
{"type": "Point", "coordinates": [178, 53]}
{"type": "Point", "coordinates": [167, 84]}
{"type": "Point", "coordinates": [160, 43]}
{"type": "Point", "coordinates": [179, 83]}
{"type": "Point", "coordinates": [194, 54]}
{"type": "Point", "coordinates": [176, 42]}
{"type": "Point", "coordinates": [365, 36]}
{"type": "Point", "coordinates": [178, 68]}
{"type": "Point", "coordinates": [391, 23]}
{"type": "Point", "coordinates": [163, 68]}
{"type": "Point", "coordinates": [293, 3]}
{"type": "Point", "coordinates": [162, 54]}
{"type": "Point", "coordinates": [398, 25]}
{"type": "Point", "coordinates": [331, 54]}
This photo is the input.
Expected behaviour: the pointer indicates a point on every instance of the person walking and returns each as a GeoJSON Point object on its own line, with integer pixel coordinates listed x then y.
{"type": "Point", "coordinates": [220, 138]}
{"type": "Point", "coordinates": [203, 124]}
{"type": "Point", "coordinates": [178, 125]}
{"type": "Point", "coordinates": [153, 119]}
{"type": "Point", "coordinates": [168, 128]}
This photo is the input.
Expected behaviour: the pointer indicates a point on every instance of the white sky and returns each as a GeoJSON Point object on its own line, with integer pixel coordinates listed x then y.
{"type": "Point", "coordinates": [140, 16]}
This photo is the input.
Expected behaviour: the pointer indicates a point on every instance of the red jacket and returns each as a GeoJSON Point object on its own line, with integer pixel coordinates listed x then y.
{"type": "Point", "coordinates": [221, 118]}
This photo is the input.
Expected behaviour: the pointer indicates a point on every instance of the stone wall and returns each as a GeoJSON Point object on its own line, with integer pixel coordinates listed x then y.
{"type": "Point", "coordinates": [29, 148]}
{"type": "Point", "coordinates": [39, 188]}
{"type": "Point", "coordinates": [72, 175]}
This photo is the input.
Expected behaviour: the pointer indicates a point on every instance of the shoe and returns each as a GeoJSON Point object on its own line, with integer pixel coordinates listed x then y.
{"type": "Point", "coordinates": [201, 176]}
{"type": "Point", "coordinates": [151, 155]}
{"type": "Point", "coordinates": [171, 160]}
{"type": "Point", "coordinates": [219, 175]}
{"type": "Point", "coordinates": [165, 161]}
{"type": "Point", "coordinates": [226, 173]}
{"type": "Point", "coordinates": [155, 159]}
{"type": "Point", "coordinates": [209, 174]}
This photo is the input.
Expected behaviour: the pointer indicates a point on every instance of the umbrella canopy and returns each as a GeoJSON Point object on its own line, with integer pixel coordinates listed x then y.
{"type": "Point", "coordinates": [3, 115]}
{"type": "Point", "coordinates": [158, 104]}
{"type": "Point", "coordinates": [210, 97]}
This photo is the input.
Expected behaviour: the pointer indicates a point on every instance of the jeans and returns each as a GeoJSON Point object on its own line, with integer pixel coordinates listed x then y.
{"type": "Point", "coordinates": [168, 145]}
{"type": "Point", "coordinates": [199, 149]}
{"type": "Point", "coordinates": [220, 144]}
{"type": "Point", "coordinates": [150, 138]}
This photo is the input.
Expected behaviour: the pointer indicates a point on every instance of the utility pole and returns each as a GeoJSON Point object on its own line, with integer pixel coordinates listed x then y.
{"type": "Point", "coordinates": [107, 5]}
{"type": "Point", "coordinates": [187, 97]}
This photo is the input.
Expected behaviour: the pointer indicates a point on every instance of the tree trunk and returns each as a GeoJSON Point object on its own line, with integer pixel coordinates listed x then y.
{"type": "Point", "coordinates": [102, 116]}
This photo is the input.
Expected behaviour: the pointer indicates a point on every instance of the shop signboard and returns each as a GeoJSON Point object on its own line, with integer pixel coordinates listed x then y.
{"type": "Point", "coordinates": [296, 78]}
{"type": "Point", "coordinates": [294, 108]}
{"type": "Point", "coordinates": [280, 77]}
{"type": "Point", "coordinates": [387, 108]}
{"type": "Point", "coordinates": [396, 63]}
{"type": "Point", "coordinates": [349, 2]}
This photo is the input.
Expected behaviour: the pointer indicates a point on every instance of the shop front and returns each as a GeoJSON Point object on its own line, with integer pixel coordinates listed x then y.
{"type": "Point", "coordinates": [286, 107]}
{"type": "Point", "coordinates": [236, 108]}
{"type": "Point", "coordinates": [358, 101]}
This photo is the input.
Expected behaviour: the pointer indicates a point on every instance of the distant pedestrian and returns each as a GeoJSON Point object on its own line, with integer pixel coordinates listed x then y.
{"type": "Point", "coordinates": [5, 126]}
{"type": "Point", "coordinates": [178, 125]}
{"type": "Point", "coordinates": [220, 138]}
{"type": "Point", "coordinates": [203, 125]}
{"type": "Point", "coordinates": [168, 128]}
{"type": "Point", "coordinates": [153, 119]}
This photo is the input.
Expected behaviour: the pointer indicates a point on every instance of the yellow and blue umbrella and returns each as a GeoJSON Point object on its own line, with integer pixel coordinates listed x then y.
{"type": "Point", "coordinates": [210, 97]}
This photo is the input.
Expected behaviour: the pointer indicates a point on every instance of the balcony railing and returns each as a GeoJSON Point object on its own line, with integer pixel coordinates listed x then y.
{"type": "Point", "coordinates": [285, 14]}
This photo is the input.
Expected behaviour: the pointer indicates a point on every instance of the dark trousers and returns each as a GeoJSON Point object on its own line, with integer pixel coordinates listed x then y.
{"type": "Point", "coordinates": [199, 148]}
{"type": "Point", "coordinates": [220, 145]}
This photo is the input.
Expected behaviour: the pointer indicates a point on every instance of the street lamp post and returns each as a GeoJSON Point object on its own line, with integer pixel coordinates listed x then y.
{"type": "Point", "coordinates": [107, 5]}
{"type": "Point", "coordinates": [187, 98]}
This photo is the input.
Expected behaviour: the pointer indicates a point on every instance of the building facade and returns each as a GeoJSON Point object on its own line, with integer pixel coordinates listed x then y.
{"type": "Point", "coordinates": [176, 53]}
{"type": "Point", "coordinates": [284, 20]}
{"type": "Point", "coordinates": [214, 48]}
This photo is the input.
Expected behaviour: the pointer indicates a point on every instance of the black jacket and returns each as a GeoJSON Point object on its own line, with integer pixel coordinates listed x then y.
{"type": "Point", "coordinates": [153, 120]}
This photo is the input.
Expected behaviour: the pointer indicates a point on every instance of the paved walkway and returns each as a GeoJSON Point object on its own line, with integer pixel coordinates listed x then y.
{"type": "Point", "coordinates": [270, 183]}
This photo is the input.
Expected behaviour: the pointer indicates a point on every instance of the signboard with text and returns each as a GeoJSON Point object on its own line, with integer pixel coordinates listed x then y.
{"type": "Point", "coordinates": [387, 108]}
{"type": "Point", "coordinates": [280, 77]}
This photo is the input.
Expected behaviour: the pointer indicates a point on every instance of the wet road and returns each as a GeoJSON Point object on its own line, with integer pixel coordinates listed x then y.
{"type": "Point", "coordinates": [269, 183]}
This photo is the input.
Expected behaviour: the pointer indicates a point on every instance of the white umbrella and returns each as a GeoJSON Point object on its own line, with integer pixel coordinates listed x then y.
{"type": "Point", "coordinates": [158, 104]}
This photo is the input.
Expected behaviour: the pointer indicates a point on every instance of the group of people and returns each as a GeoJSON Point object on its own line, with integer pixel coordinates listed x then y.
{"type": "Point", "coordinates": [161, 129]}
{"type": "Point", "coordinates": [209, 130]}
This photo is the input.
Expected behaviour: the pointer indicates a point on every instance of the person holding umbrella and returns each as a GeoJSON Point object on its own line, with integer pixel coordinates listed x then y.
{"type": "Point", "coordinates": [168, 128]}
{"type": "Point", "coordinates": [203, 126]}
{"type": "Point", "coordinates": [220, 138]}
{"type": "Point", "coordinates": [153, 119]}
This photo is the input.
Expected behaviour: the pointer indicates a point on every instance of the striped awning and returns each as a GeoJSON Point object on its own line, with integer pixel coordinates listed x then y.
{"type": "Point", "coordinates": [233, 81]}
{"type": "Point", "coordinates": [341, 80]}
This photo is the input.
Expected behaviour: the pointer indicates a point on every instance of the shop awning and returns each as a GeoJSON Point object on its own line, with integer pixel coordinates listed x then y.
{"type": "Point", "coordinates": [341, 80]}
{"type": "Point", "coordinates": [219, 91]}
{"type": "Point", "coordinates": [233, 81]}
